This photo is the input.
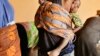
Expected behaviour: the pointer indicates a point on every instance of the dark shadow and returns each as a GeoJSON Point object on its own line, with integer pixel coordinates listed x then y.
{"type": "Point", "coordinates": [23, 40]}
{"type": "Point", "coordinates": [81, 46]}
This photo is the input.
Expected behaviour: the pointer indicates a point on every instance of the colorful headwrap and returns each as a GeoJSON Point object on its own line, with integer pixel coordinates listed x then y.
{"type": "Point", "coordinates": [54, 18]}
{"type": "Point", "coordinates": [6, 13]}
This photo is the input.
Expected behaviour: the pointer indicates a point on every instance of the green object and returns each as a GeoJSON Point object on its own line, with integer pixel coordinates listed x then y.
{"type": "Point", "coordinates": [32, 34]}
{"type": "Point", "coordinates": [76, 20]}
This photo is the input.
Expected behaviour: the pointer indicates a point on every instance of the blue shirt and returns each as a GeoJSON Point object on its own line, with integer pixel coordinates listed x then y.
{"type": "Point", "coordinates": [6, 13]}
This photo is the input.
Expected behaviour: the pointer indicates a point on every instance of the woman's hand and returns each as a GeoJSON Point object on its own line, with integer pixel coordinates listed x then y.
{"type": "Point", "coordinates": [54, 53]}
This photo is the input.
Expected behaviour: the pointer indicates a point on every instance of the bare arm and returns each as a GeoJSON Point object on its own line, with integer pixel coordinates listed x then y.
{"type": "Point", "coordinates": [65, 41]}
{"type": "Point", "coordinates": [77, 22]}
{"type": "Point", "coordinates": [76, 29]}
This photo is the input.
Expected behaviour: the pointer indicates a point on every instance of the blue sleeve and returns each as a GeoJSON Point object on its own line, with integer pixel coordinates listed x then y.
{"type": "Point", "coordinates": [6, 13]}
{"type": "Point", "coordinates": [1, 14]}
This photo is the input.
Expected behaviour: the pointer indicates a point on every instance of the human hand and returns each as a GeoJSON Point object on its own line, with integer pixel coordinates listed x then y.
{"type": "Point", "coordinates": [53, 53]}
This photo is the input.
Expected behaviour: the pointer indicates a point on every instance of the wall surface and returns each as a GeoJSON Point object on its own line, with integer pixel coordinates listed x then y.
{"type": "Point", "coordinates": [88, 8]}
{"type": "Point", "coordinates": [26, 9]}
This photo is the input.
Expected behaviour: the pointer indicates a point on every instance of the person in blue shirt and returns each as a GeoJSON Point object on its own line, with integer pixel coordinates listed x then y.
{"type": "Point", "coordinates": [6, 14]}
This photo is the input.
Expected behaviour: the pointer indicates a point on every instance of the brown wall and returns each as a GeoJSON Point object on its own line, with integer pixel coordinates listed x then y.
{"type": "Point", "coordinates": [25, 9]}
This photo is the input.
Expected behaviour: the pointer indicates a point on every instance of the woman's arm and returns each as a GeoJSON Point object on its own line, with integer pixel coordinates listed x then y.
{"type": "Point", "coordinates": [56, 52]}
{"type": "Point", "coordinates": [77, 22]}
{"type": "Point", "coordinates": [76, 29]}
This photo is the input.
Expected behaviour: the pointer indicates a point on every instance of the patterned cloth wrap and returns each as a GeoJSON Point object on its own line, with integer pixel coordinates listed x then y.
{"type": "Point", "coordinates": [53, 18]}
{"type": "Point", "coordinates": [32, 33]}
{"type": "Point", "coordinates": [9, 41]}
{"type": "Point", "coordinates": [76, 20]}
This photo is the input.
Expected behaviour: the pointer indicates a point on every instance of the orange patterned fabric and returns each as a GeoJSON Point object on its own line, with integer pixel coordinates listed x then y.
{"type": "Point", "coordinates": [54, 18]}
{"type": "Point", "coordinates": [9, 41]}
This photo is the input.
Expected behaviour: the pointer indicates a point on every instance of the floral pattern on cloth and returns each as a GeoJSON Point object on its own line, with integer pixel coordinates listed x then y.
{"type": "Point", "coordinates": [76, 20]}
{"type": "Point", "coordinates": [9, 41]}
{"type": "Point", "coordinates": [11, 51]}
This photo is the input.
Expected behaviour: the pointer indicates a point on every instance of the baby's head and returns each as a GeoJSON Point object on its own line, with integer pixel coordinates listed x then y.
{"type": "Point", "coordinates": [75, 6]}
{"type": "Point", "coordinates": [98, 12]}
{"type": "Point", "coordinates": [41, 1]}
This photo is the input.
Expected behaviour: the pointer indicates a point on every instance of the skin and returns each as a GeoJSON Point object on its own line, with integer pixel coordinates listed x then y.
{"type": "Point", "coordinates": [41, 1]}
{"type": "Point", "coordinates": [67, 5]}
{"type": "Point", "coordinates": [74, 8]}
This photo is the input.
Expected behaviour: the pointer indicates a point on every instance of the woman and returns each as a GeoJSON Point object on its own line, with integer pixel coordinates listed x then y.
{"type": "Point", "coordinates": [9, 39]}
{"type": "Point", "coordinates": [55, 28]}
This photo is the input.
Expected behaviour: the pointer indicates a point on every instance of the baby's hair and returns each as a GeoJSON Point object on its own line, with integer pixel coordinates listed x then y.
{"type": "Point", "coordinates": [98, 12]}
{"type": "Point", "coordinates": [56, 1]}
